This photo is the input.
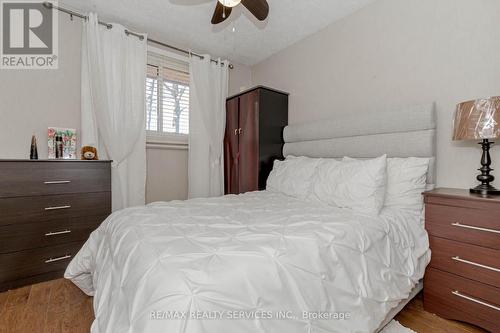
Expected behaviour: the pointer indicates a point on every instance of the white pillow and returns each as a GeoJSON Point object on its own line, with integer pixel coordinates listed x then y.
{"type": "Point", "coordinates": [356, 184]}
{"type": "Point", "coordinates": [292, 176]}
{"type": "Point", "coordinates": [406, 180]}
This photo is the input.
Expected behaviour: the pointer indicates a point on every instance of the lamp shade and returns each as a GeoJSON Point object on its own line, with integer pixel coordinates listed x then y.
{"type": "Point", "coordinates": [478, 119]}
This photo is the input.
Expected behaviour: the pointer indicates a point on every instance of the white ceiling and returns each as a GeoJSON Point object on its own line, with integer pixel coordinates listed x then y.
{"type": "Point", "coordinates": [241, 38]}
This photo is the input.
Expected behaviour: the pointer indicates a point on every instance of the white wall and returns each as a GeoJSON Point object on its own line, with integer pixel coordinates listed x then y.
{"type": "Point", "coordinates": [240, 79]}
{"type": "Point", "coordinates": [396, 53]}
{"type": "Point", "coordinates": [167, 174]}
{"type": "Point", "coordinates": [32, 100]}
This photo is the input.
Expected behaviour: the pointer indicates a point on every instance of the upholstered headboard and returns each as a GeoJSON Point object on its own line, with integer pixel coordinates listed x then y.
{"type": "Point", "coordinates": [408, 132]}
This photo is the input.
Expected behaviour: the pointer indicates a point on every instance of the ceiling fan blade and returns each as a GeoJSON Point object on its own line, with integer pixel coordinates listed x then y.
{"type": "Point", "coordinates": [259, 8]}
{"type": "Point", "coordinates": [221, 13]}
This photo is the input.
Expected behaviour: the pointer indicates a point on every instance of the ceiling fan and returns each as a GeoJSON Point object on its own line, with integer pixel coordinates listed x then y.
{"type": "Point", "coordinates": [259, 8]}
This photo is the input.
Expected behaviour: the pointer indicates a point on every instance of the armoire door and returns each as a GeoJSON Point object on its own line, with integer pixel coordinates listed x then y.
{"type": "Point", "coordinates": [231, 148]}
{"type": "Point", "coordinates": [249, 142]}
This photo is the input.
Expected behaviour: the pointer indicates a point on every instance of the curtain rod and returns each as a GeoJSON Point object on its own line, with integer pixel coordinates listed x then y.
{"type": "Point", "coordinates": [50, 5]}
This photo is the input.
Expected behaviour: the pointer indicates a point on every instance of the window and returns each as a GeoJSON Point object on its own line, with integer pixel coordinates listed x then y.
{"type": "Point", "coordinates": [167, 96]}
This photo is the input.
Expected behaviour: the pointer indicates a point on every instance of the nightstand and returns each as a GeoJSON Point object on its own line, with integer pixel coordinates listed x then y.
{"type": "Point", "coordinates": [462, 281]}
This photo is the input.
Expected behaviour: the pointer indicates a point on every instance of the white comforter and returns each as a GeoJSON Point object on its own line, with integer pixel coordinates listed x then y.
{"type": "Point", "coordinates": [258, 262]}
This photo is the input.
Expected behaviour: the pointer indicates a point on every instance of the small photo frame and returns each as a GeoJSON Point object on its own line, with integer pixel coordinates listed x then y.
{"type": "Point", "coordinates": [69, 142]}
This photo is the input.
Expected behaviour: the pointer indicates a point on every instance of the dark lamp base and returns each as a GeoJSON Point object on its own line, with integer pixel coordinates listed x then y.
{"type": "Point", "coordinates": [485, 190]}
{"type": "Point", "coordinates": [485, 177]}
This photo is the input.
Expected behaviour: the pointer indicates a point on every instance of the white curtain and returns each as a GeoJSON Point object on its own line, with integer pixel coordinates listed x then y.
{"type": "Point", "coordinates": [113, 106]}
{"type": "Point", "coordinates": [207, 120]}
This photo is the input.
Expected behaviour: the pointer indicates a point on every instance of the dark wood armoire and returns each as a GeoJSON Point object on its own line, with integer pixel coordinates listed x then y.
{"type": "Point", "coordinates": [255, 120]}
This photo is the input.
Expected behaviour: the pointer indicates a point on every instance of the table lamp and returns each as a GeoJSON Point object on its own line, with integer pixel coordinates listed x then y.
{"type": "Point", "coordinates": [480, 120]}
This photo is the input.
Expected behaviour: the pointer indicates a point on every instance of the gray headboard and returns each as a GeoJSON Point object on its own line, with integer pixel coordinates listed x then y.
{"type": "Point", "coordinates": [408, 132]}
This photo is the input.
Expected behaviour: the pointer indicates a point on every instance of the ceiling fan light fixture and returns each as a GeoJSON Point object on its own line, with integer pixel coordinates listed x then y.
{"type": "Point", "coordinates": [230, 3]}
{"type": "Point", "coordinates": [259, 9]}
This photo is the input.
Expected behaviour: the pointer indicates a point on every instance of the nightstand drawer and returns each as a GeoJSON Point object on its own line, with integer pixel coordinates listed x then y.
{"type": "Point", "coordinates": [53, 177]}
{"type": "Point", "coordinates": [470, 261]}
{"type": "Point", "coordinates": [44, 208]}
{"type": "Point", "coordinates": [473, 226]}
{"type": "Point", "coordinates": [454, 297]}
{"type": "Point", "coordinates": [17, 237]}
{"type": "Point", "coordinates": [27, 263]}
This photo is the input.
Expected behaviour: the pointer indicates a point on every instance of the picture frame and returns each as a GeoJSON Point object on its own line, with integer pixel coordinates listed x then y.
{"type": "Point", "coordinates": [69, 142]}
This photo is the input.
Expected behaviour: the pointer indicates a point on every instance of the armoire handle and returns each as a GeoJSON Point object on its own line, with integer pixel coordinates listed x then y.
{"type": "Point", "coordinates": [235, 131]}
{"type": "Point", "coordinates": [240, 131]}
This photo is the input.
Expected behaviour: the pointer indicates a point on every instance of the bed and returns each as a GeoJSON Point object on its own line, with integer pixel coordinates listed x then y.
{"type": "Point", "coordinates": [264, 261]}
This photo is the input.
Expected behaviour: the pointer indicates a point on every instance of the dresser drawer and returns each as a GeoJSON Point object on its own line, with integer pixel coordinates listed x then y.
{"type": "Point", "coordinates": [454, 297]}
{"type": "Point", "coordinates": [57, 177]}
{"type": "Point", "coordinates": [27, 263]}
{"type": "Point", "coordinates": [470, 261]}
{"type": "Point", "coordinates": [44, 208]}
{"type": "Point", "coordinates": [17, 237]}
{"type": "Point", "coordinates": [473, 226]}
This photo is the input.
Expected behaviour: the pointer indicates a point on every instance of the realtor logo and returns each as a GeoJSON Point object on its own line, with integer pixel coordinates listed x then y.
{"type": "Point", "coordinates": [28, 36]}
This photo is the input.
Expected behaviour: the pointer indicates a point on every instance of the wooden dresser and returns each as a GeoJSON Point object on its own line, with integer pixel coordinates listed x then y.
{"type": "Point", "coordinates": [462, 282]}
{"type": "Point", "coordinates": [47, 211]}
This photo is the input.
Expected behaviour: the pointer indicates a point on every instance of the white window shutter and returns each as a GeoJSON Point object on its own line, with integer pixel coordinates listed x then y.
{"type": "Point", "coordinates": [167, 95]}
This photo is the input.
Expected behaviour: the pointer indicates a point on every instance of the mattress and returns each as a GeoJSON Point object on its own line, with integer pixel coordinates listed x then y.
{"type": "Point", "coordinates": [257, 262]}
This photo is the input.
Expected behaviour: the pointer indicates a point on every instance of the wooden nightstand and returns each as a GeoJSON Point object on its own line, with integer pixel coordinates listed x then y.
{"type": "Point", "coordinates": [462, 281]}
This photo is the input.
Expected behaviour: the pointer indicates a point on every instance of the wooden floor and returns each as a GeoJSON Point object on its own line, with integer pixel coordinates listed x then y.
{"type": "Point", "coordinates": [58, 306]}
{"type": "Point", "coordinates": [54, 306]}
{"type": "Point", "coordinates": [413, 316]}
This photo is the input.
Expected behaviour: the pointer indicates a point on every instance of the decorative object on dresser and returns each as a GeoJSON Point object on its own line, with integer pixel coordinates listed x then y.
{"type": "Point", "coordinates": [255, 120]}
{"type": "Point", "coordinates": [462, 281]}
{"type": "Point", "coordinates": [61, 143]}
{"type": "Point", "coordinates": [33, 148]}
{"type": "Point", "coordinates": [89, 153]}
{"type": "Point", "coordinates": [476, 120]}
{"type": "Point", "coordinates": [47, 211]}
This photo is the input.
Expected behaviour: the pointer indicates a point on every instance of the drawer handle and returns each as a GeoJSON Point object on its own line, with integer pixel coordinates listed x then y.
{"type": "Point", "coordinates": [48, 261]}
{"type": "Point", "coordinates": [472, 299]}
{"type": "Point", "coordinates": [57, 182]}
{"type": "Point", "coordinates": [58, 207]}
{"type": "Point", "coordinates": [58, 233]}
{"type": "Point", "coordinates": [457, 258]}
{"type": "Point", "coordinates": [475, 228]}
